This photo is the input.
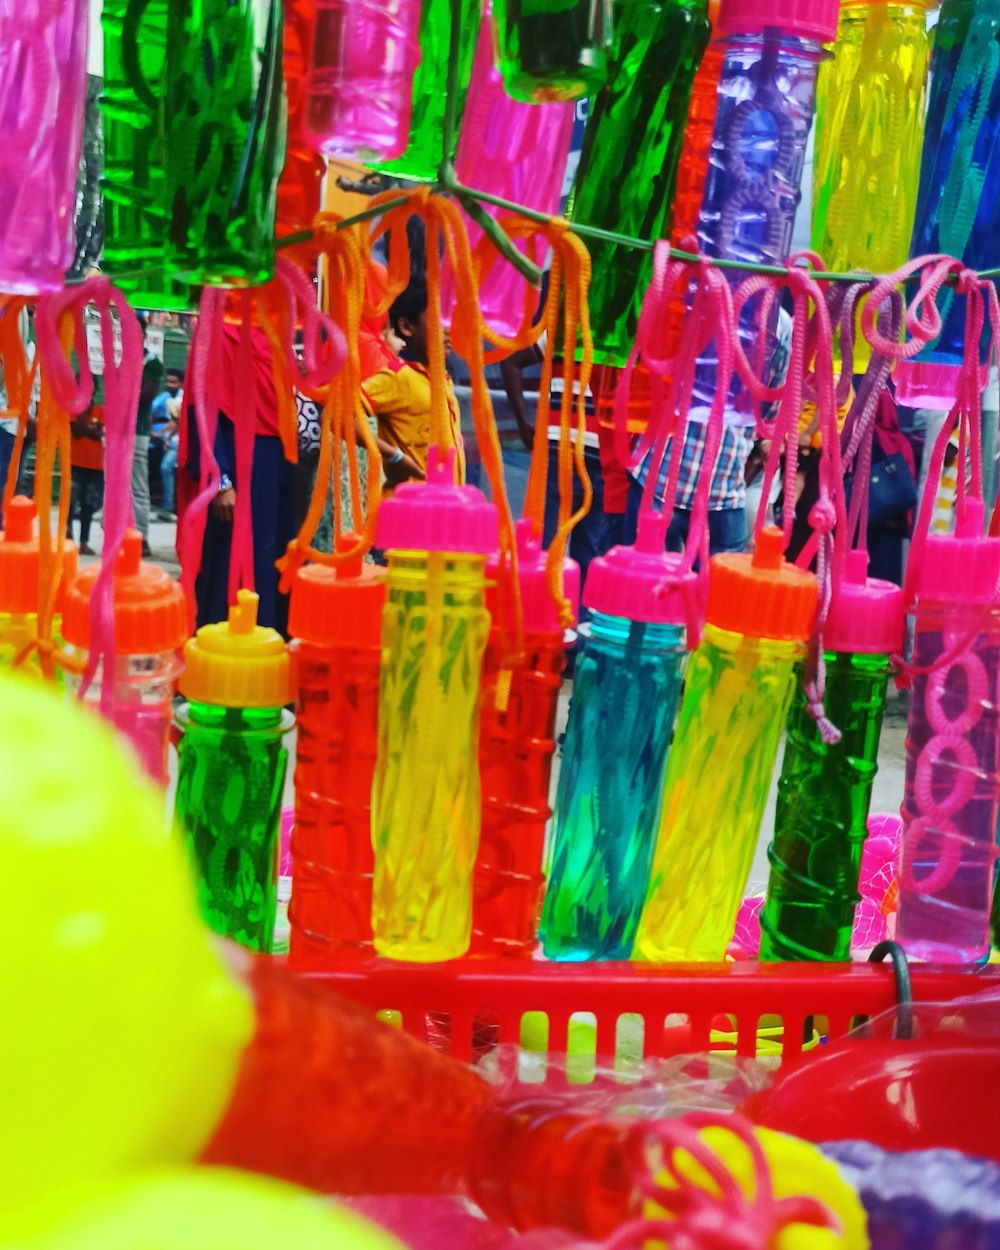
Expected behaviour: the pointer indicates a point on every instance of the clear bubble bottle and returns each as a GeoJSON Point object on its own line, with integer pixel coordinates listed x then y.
{"type": "Point", "coordinates": [335, 619]}
{"type": "Point", "coordinates": [20, 577]}
{"type": "Point", "coordinates": [426, 796]}
{"type": "Point", "coordinates": [231, 769]}
{"type": "Point", "coordinates": [151, 625]}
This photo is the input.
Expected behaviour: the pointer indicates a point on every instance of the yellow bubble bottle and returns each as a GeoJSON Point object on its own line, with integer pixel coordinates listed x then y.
{"type": "Point", "coordinates": [870, 105]}
{"type": "Point", "coordinates": [425, 797]}
{"type": "Point", "coordinates": [20, 578]}
{"type": "Point", "coordinates": [739, 685]}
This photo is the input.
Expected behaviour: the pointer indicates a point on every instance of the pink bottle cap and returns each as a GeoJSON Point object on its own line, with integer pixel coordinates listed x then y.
{"type": "Point", "coordinates": [644, 582]}
{"type": "Point", "coordinates": [540, 615]}
{"type": "Point", "coordinates": [963, 567]}
{"type": "Point", "coordinates": [926, 384]}
{"type": "Point", "coordinates": [866, 616]}
{"type": "Point", "coordinates": [799, 19]}
{"type": "Point", "coordinates": [438, 515]}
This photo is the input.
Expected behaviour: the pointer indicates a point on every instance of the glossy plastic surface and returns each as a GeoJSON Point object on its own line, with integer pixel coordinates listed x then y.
{"type": "Point", "coordinates": [553, 49]}
{"type": "Point", "coordinates": [299, 185]}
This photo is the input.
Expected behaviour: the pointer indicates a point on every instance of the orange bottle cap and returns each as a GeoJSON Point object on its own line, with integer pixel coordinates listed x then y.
{"type": "Point", "coordinates": [238, 663]}
{"type": "Point", "coordinates": [762, 596]}
{"type": "Point", "coordinates": [338, 607]}
{"type": "Point", "coordinates": [150, 609]}
{"type": "Point", "coordinates": [20, 561]}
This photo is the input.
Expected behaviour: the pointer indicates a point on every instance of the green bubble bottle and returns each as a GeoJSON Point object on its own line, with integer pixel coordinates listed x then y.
{"type": "Point", "coordinates": [825, 790]}
{"type": "Point", "coordinates": [553, 49]}
{"type": "Point", "coordinates": [231, 769]}
{"type": "Point", "coordinates": [739, 686]}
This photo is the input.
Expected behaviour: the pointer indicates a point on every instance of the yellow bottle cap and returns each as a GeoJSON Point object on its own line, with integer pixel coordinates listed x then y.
{"type": "Point", "coordinates": [238, 663]}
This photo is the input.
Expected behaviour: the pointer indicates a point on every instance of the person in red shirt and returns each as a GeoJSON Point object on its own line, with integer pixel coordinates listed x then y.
{"type": "Point", "coordinates": [87, 461]}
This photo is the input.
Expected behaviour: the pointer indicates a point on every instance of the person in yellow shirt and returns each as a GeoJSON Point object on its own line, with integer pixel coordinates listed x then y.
{"type": "Point", "coordinates": [399, 395]}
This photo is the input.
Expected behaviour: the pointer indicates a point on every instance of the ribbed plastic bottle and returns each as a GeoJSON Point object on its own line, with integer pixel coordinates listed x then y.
{"type": "Point", "coordinates": [736, 697]}
{"type": "Point", "coordinates": [516, 151]}
{"type": "Point", "coordinates": [951, 801]}
{"type": "Point", "coordinates": [825, 790]}
{"type": "Point", "coordinates": [870, 102]}
{"type": "Point", "coordinates": [359, 89]}
{"type": "Point", "coordinates": [553, 49]}
{"type": "Point", "coordinates": [137, 199]}
{"type": "Point", "coordinates": [225, 138]}
{"type": "Point", "coordinates": [20, 574]}
{"type": "Point", "coordinates": [958, 204]}
{"type": "Point", "coordinates": [231, 769]}
{"type": "Point", "coordinates": [151, 625]}
{"type": "Point", "coordinates": [335, 619]}
{"type": "Point", "coordinates": [631, 147]}
{"type": "Point", "coordinates": [43, 68]}
{"type": "Point", "coordinates": [516, 743]}
{"type": "Point", "coordinates": [425, 147]}
{"type": "Point", "coordinates": [426, 797]}
{"type": "Point", "coordinates": [692, 168]}
{"type": "Point", "coordinates": [299, 186]}
{"type": "Point", "coordinates": [773, 50]}
{"type": "Point", "coordinates": [626, 686]}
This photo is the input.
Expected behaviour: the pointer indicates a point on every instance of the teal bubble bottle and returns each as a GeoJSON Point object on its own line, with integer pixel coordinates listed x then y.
{"type": "Point", "coordinates": [552, 49]}
{"type": "Point", "coordinates": [231, 770]}
{"type": "Point", "coordinates": [225, 138]}
{"type": "Point", "coordinates": [825, 790]}
{"type": "Point", "coordinates": [631, 149]}
{"type": "Point", "coordinates": [425, 148]}
{"type": "Point", "coordinates": [425, 796]}
{"type": "Point", "coordinates": [736, 698]}
{"type": "Point", "coordinates": [626, 687]}
{"type": "Point", "coordinates": [136, 191]}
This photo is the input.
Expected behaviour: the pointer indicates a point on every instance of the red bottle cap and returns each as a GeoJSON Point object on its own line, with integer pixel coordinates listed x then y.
{"type": "Point", "coordinates": [644, 582]}
{"type": "Point", "coordinates": [20, 561]}
{"type": "Point", "coordinates": [762, 596]}
{"type": "Point", "coordinates": [338, 607]}
{"type": "Point", "coordinates": [866, 615]}
{"type": "Point", "coordinates": [799, 19]}
{"type": "Point", "coordinates": [150, 609]}
{"type": "Point", "coordinates": [438, 515]}
{"type": "Point", "coordinates": [540, 615]}
{"type": "Point", "coordinates": [963, 567]}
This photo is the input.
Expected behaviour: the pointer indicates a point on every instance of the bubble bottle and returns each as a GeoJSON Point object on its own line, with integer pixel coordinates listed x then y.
{"type": "Point", "coordinates": [692, 168]}
{"type": "Point", "coordinates": [636, 124]}
{"type": "Point", "coordinates": [951, 800]}
{"type": "Point", "coordinates": [552, 49]}
{"type": "Point", "coordinates": [824, 794]}
{"type": "Point", "coordinates": [424, 149]}
{"type": "Point", "coordinates": [231, 769]}
{"type": "Point", "coordinates": [425, 797]}
{"type": "Point", "coordinates": [335, 619]}
{"type": "Point", "coordinates": [20, 588]}
{"type": "Point", "coordinates": [516, 742]}
{"type": "Point", "coordinates": [225, 138]}
{"type": "Point", "coordinates": [359, 88]}
{"type": "Point", "coordinates": [736, 697]}
{"type": "Point", "coordinates": [43, 67]}
{"type": "Point", "coordinates": [299, 185]}
{"type": "Point", "coordinates": [626, 687]}
{"type": "Point", "coordinates": [958, 203]}
{"type": "Point", "coordinates": [151, 624]}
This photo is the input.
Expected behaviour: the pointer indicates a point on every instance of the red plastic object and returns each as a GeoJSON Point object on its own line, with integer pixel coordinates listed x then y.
{"type": "Point", "coordinates": [938, 1091]}
{"type": "Point", "coordinates": [299, 187]}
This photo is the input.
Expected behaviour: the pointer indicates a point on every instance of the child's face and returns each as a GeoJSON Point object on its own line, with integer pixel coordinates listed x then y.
{"type": "Point", "coordinates": [415, 336]}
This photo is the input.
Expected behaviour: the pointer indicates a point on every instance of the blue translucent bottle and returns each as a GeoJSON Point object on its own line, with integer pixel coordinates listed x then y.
{"type": "Point", "coordinates": [627, 684]}
{"type": "Point", "coordinates": [767, 93]}
{"type": "Point", "coordinates": [958, 204]}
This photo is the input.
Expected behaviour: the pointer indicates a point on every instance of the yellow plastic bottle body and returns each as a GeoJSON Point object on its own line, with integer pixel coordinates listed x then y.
{"type": "Point", "coordinates": [17, 631]}
{"type": "Point", "coordinates": [718, 776]}
{"type": "Point", "coordinates": [425, 796]}
{"type": "Point", "coordinates": [870, 105]}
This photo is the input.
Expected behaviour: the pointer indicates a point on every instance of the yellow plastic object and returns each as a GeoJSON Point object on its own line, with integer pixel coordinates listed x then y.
{"type": "Point", "coordinates": [122, 1028]}
{"type": "Point", "coordinates": [797, 1170]}
{"type": "Point", "coordinates": [238, 663]}
{"type": "Point", "coordinates": [191, 1209]}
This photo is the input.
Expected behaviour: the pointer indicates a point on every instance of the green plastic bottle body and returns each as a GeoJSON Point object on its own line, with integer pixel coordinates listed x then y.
{"type": "Point", "coordinates": [821, 822]}
{"type": "Point", "coordinates": [230, 780]}
{"type": "Point", "coordinates": [424, 151]}
{"type": "Point", "coordinates": [426, 794]}
{"type": "Point", "coordinates": [631, 148]}
{"type": "Point", "coordinates": [553, 49]}
{"type": "Point", "coordinates": [136, 195]}
{"type": "Point", "coordinates": [736, 699]}
{"type": "Point", "coordinates": [225, 138]}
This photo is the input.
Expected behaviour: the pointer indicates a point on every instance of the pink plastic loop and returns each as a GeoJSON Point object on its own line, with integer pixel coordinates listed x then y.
{"type": "Point", "coordinates": [965, 764]}
{"type": "Point", "coordinates": [977, 693]}
{"type": "Point", "coordinates": [943, 850]}
{"type": "Point", "coordinates": [324, 348]}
